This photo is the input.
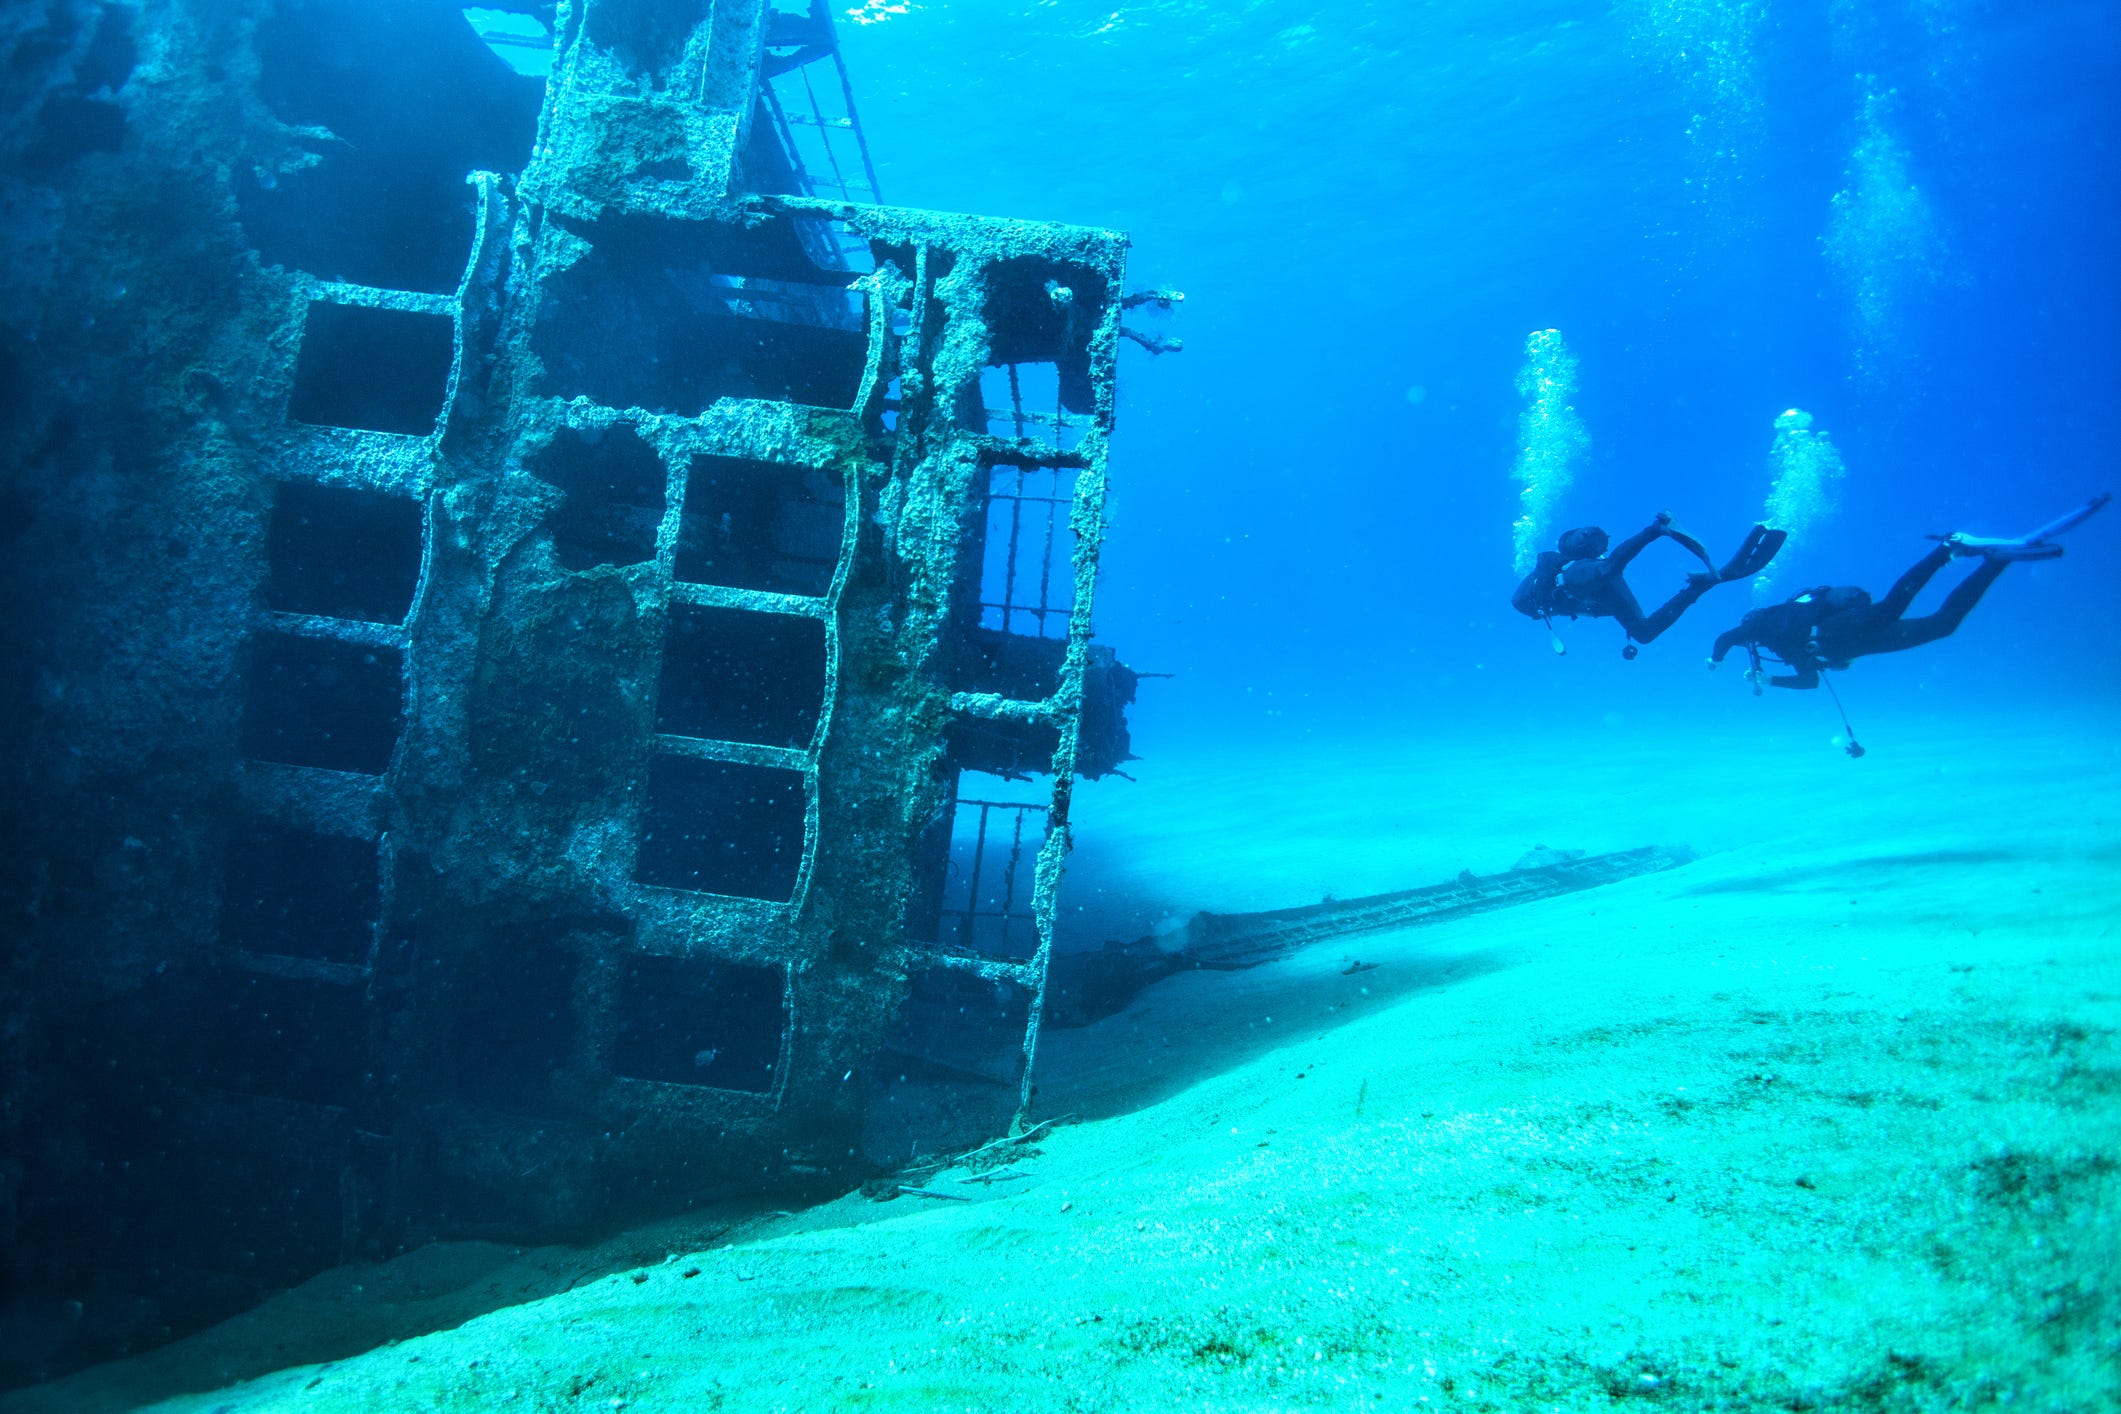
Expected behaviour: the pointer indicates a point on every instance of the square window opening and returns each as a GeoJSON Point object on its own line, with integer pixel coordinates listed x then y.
{"type": "Point", "coordinates": [674, 316]}
{"type": "Point", "coordinates": [760, 525]}
{"type": "Point", "coordinates": [740, 675]}
{"type": "Point", "coordinates": [996, 830]}
{"type": "Point", "coordinates": [343, 553]}
{"type": "Point", "coordinates": [700, 1021]}
{"type": "Point", "coordinates": [1023, 401]}
{"type": "Point", "coordinates": [376, 369]}
{"type": "Point", "coordinates": [293, 893]}
{"type": "Point", "coordinates": [723, 827]}
{"type": "Point", "coordinates": [615, 489]}
{"type": "Point", "coordinates": [323, 702]}
{"type": "Point", "coordinates": [1044, 311]}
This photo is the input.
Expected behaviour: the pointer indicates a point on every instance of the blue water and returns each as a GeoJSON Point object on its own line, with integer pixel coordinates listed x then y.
{"type": "Point", "coordinates": [1368, 204]}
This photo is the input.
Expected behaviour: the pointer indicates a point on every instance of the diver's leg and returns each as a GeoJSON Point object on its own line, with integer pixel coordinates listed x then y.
{"type": "Point", "coordinates": [1646, 630]}
{"type": "Point", "coordinates": [1910, 584]}
{"type": "Point", "coordinates": [1618, 601]}
{"type": "Point", "coordinates": [1913, 633]}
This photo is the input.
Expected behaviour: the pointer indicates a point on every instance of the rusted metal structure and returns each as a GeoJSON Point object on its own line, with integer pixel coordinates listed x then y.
{"type": "Point", "coordinates": [609, 735]}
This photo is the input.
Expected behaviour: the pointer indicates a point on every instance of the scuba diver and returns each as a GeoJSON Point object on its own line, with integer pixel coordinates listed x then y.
{"type": "Point", "coordinates": [1827, 628]}
{"type": "Point", "coordinates": [1581, 579]}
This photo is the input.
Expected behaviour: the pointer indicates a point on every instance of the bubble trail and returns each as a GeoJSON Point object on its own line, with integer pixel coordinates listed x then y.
{"type": "Point", "coordinates": [1550, 439]}
{"type": "Point", "coordinates": [1807, 482]}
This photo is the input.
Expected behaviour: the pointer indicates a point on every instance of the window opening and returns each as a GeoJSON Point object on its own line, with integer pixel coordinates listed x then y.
{"type": "Point", "coordinates": [322, 702]}
{"type": "Point", "coordinates": [741, 675]}
{"type": "Point", "coordinates": [673, 316]}
{"type": "Point", "coordinates": [381, 370]}
{"type": "Point", "coordinates": [1022, 400]}
{"type": "Point", "coordinates": [1016, 639]}
{"type": "Point", "coordinates": [614, 484]}
{"type": "Point", "coordinates": [700, 1021]}
{"type": "Point", "coordinates": [995, 837]}
{"type": "Point", "coordinates": [811, 102]}
{"type": "Point", "coordinates": [342, 553]}
{"type": "Point", "coordinates": [760, 525]}
{"type": "Point", "coordinates": [1044, 311]}
{"type": "Point", "coordinates": [1027, 568]}
{"type": "Point", "coordinates": [292, 893]}
{"type": "Point", "coordinates": [723, 827]}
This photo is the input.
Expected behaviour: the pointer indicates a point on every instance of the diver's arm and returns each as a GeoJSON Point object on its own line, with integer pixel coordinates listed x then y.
{"type": "Point", "coordinates": [1725, 642]}
{"type": "Point", "coordinates": [1806, 676]}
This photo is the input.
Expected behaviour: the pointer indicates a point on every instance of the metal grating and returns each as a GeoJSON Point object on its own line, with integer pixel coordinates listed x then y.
{"type": "Point", "coordinates": [989, 895]}
{"type": "Point", "coordinates": [1027, 578]}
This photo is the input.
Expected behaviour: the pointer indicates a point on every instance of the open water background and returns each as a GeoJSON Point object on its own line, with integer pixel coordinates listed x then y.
{"type": "Point", "coordinates": [1369, 206]}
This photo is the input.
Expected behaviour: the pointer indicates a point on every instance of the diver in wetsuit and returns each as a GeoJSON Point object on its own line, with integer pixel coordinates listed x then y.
{"type": "Point", "coordinates": [1581, 579]}
{"type": "Point", "coordinates": [1827, 628]}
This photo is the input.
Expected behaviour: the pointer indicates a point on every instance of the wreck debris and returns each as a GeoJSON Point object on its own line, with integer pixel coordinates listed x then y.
{"type": "Point", "coordinates": [1089, 986]}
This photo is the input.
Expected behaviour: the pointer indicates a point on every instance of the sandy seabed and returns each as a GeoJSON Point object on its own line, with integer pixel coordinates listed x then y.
{"type": "Point", "coordinates": [1827, 1120]}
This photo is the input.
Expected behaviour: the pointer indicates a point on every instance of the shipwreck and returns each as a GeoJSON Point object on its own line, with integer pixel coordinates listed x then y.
{"type": "Point", "coordinates": [557, 631]}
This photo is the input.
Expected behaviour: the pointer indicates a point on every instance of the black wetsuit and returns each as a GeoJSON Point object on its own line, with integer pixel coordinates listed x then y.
{"type": "Point", "coordinates": [1809, 633]}
{"type": "Point", "coordinates": [1596, 587]}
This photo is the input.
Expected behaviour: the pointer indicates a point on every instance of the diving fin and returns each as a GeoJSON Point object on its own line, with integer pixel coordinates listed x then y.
{"type": "Point", "coordinates": [1761, 546]}
{"type": "Point", "coordinates": [1693, 546]}
{"type": "Point", "coordinates": [2033, 545]}
{"type": "Point", "coordinates": [1989, 549]}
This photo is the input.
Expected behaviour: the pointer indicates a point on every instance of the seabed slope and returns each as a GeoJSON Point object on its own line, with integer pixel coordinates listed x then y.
{"type": "Point", "coordinates": [1827, 1120]}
